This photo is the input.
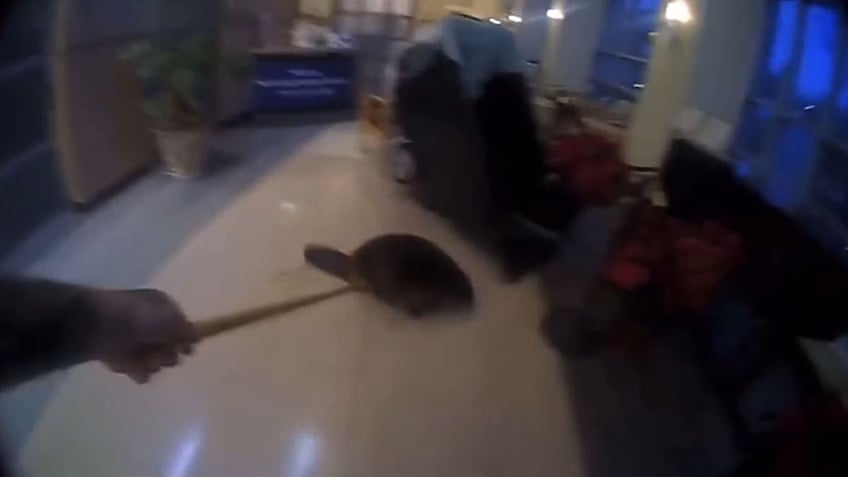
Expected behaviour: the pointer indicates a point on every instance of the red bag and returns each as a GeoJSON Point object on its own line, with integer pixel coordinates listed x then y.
{"type": "Point", "coordinates": [689, 262]}
{"type": "Point", "coordinates": [590, 166]}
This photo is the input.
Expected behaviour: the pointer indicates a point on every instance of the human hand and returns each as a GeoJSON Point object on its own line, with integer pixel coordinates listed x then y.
{"type": "Point", "coordinates": [139, 332]}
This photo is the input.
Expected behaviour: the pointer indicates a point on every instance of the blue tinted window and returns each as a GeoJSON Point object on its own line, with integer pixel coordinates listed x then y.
{"type": "Point", "coordinates": [818, 57]}
{"type": "Point", "coordinates": [627, 26]}
{"type": "Point", "coordinates": [626, 30]}
{"type": "Point", "coordinates": [778, 48]}
{"type": "Point", "coordinates": [830, 186]}
{"type": "Point", "coordinates": [778, 146]}
{"type": "Point", "coordinates": [610, 95]}
{"type": "Point", "coordinates": [842, 106]}
{"type": "Point", "coordinates": [843, 98]}
{"type": "Point", "coordinates": [751, 134]}
{"type": "Point", "coordinates": [650, 5]}
{"type": "Point", "coordinates": [793, 156]}
{"type": "Point", "coordinates": [784, 36]}
{"type": "Point", "coordinates": [618, 71]}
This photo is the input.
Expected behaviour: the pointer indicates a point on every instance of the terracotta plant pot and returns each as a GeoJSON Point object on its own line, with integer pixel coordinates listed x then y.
{"type": "Point", "coordinates": [185, 153]}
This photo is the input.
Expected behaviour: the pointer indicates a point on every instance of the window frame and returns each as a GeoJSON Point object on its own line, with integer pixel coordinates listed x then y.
{"type": "Point", "coordinates": [821, 219]}
{"type": "Point", "coordinates": [626, 92]}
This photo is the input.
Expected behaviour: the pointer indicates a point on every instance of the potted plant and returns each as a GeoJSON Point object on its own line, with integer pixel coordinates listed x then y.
{"type": "Point", "coordinates": [178, 78]}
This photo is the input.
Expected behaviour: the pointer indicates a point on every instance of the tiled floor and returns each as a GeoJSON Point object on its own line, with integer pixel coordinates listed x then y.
{"type": "Point", "coordinates": [126, 239]}
{"type": "Point", "coordinates": [347, 388]}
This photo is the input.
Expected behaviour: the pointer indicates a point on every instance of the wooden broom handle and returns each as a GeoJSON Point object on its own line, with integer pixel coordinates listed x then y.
{"type": "Point", "coordinates": [221, 324]}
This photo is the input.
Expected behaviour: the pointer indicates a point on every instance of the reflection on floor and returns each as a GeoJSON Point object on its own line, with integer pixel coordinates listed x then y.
{"type": "Point", "coordinates": [347, 388]}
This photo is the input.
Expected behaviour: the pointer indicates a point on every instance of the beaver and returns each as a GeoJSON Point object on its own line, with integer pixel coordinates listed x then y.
{"type": "Point", "coordinates": [402, 270]}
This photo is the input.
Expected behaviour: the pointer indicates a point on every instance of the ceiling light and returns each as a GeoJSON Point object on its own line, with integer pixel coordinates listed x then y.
{"type": "Point", "coordinates": [677, 11]}
{"type": "Point", "coordinates": [555, 14]}
{"type": "Point", "coordinates": [495, 21]}
{"type": "Point", "coordinates": [514, 18]}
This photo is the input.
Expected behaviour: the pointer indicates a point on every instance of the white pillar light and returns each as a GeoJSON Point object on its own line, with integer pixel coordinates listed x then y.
{"type": "Point", "coordinates": [678, 11]}
{"type": "Point", "coordinates": [555, 14]}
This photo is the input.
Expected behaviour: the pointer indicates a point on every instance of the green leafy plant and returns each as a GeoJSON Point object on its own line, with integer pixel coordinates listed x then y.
{"type": "Point", "coordinates": [178, 79]}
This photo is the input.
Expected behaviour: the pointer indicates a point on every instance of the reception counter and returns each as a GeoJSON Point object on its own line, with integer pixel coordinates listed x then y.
{"type": "Point", "coordinates": [293, 79]}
